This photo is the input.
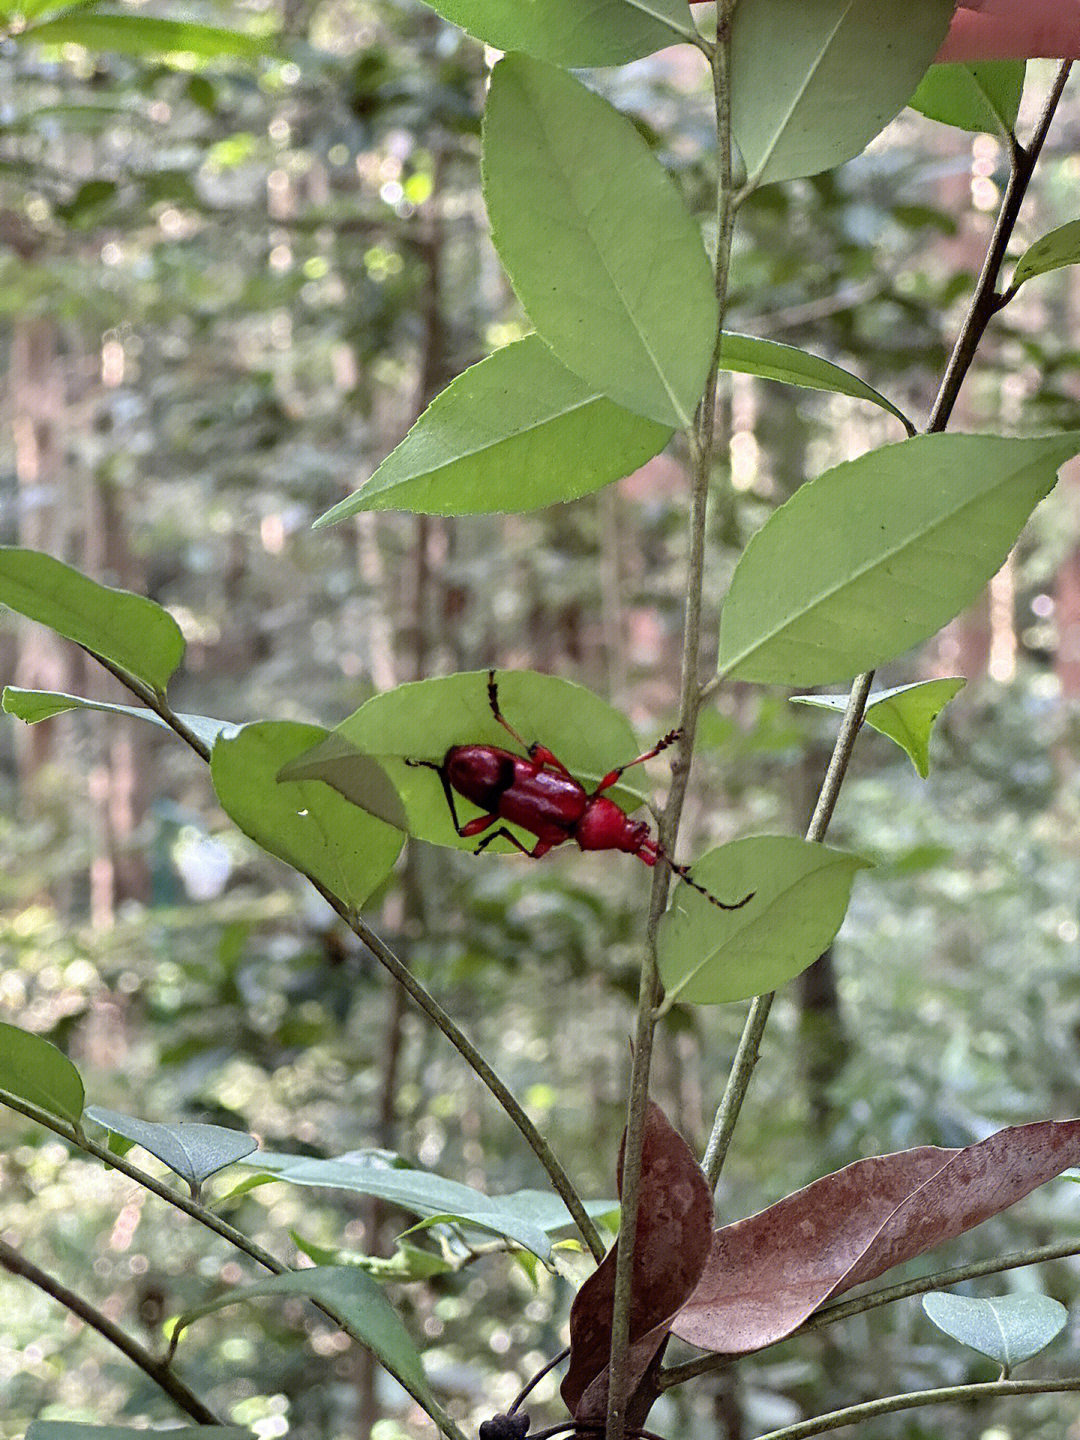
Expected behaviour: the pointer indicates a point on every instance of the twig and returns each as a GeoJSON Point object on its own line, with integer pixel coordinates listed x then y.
{"type": "Point", "coordinates": [151, 1365]}
{"type": "Point", "coordinates": [746, 1056]}
{"type": "Point", "coordinates": [702, 442]}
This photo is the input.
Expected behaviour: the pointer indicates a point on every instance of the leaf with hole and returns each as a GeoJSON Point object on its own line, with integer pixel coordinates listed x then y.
{"type": "Point", "coordinates": [801, 891]}
{"type": "Point", "coordinates": [906, 714]}
{"type": "Point", "coordinates": [138, 636]}
{"type": "Point", "coordinates": [983, 97]}
{"type": "Point", "coordinates": [765, 1275]}
{"type": "Point", "coordinates": [804, 105]}
{"type": "Point", "coordinates": [597, 242]}
{"type": "Point", "coordinates": [33, 706]}
{"type": "Point", "coordinates": [302, 822]}
{"type": "Point", "coordinates": [574, 33]}
{"type": "Point", "coordinates": [1055, 250]}
{"type": "Point", "coordinates": [1008, 1328]}
{"type": "Point", "coordinates": [354, 1298]}
{"type": "Point", "coordinates": [513, 433]}
{"type": "Point", "coordinates": [878, 553]}
{"type": "Point", "coordinates": [37, 1072]}
{"type": "Point", "coordinates": [190, 1150]}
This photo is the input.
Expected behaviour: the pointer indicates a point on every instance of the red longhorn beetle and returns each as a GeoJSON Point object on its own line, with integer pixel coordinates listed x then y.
{"type": "Point", "coordinates": [538, 793]}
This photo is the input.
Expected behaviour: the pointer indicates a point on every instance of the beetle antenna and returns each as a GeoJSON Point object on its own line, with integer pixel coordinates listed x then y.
{"type": "Point", "coordinates": [683, 872]}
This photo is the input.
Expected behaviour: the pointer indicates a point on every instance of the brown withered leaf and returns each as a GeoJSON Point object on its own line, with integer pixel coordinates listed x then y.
{"type": "Point", "coordinates": [674, 1232]}
{"type": "Point", "coordinates": [766, 1274]}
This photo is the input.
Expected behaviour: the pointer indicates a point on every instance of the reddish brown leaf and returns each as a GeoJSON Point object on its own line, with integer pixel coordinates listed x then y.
{"type": "Point", "coordinates": [766, 1274]}
{"type": "Point", "coordinates": [674, 1231]}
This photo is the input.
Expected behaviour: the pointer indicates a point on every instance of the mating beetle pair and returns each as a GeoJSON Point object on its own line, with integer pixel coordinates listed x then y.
{"type": "Point", "coordinates": [538, 793]}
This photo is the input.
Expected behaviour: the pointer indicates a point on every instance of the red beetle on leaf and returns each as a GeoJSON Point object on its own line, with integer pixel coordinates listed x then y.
{"type": "Point", "coordinates": [537, 792]}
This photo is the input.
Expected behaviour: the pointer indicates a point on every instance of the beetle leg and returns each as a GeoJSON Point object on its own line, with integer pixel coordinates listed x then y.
{"type": "Point", "coordinates": [440, 770]}
{"type": "Point", "coordinates": [662, 744]}
{"type": "Point", "coordinates": [540, 848]}
{"type": "Point", "coordinates": [543, 756]}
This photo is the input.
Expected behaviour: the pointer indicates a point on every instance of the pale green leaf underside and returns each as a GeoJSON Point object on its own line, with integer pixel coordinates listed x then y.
{"type": "Point", "coordinates": [131, 631]}
{"type": "Point", "coordinates": [513, 433]}
{"type": "Point", "coordinates": [355, 1298]}
{"type": "Point", "coordinates": [1053, 251]}
{"type": "Point", "coordinates": [37, 1072]}
{"type": "Point", "coordinates": [191, 1150]}
{"type": "Point", "coordinates": [771, 360]}
{"type": "Point", "coordinates": [33, 706]}
{"type": "Point", "coordinates": [800, 93]}
{"type": "Point", "coordinates": [597, 242]}
{"type": "Point", "coordinates": [878, 553]}
{"type": "Point", "coordinates": [801, 892]}
{"type": "Point", "coordinates": [422, 720]}
{"type": "Point", "coordinates": [304, 823]}
{"type": "Point", "coordinates": [983, 97]}
{"type": "Point", "coordinates": [573, 33]}
{"type": "Point", "coordinates": [1008, 1328]}
{"type": "Point", "coordinates": [905, 714]}
{"type": "Point", "coordinates": [418, 1191]}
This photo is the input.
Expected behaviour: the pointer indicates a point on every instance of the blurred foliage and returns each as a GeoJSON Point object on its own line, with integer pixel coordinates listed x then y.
{"type": "Point", "coordinates": [255, 276]}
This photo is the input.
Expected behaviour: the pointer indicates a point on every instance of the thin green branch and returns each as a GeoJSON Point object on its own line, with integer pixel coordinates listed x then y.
{"type": "Point", "coordinates": [158, 1370]}
{"type": "Point", "coordinates": [914, 1400]}
{"type": "Point", "coordinates": [702, 445]}
{"type": "Point", "coordinates": [212, 1222]}
{"type": "Point", "coordinates": [557, 1174]}
{"type": "Point", "coordinates": [746, 1057]}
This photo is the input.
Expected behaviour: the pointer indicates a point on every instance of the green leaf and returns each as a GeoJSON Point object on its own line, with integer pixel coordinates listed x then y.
{"type": "Point", "coordinates": [1059, 248]}
{"type": "Point", "coordinates": [192, 1151]}
{"type": "Point", "coordinates": [513, 433]}
{"type": "Point", "coordinates": [355, 1299]}
{"type": "Point", "coordinates": [877, 554]}
{"type": "Point", "coordinates": [984, 97]}
{"type": "Point", "coordinates": [597, 242]}
{"type": "Point", "coordinates": [77, 1430]}
{"type": "Point", "coordinates": [360, 779]}
{"type": "Point", "coordinates": [418, 1191]}
{"type": "Point", "coordinates": [905, 714]}
{"type": "Point", "coordinates": [1008, 1328]}
{"type": "Point", "coordinates": [39, 1073]}
{"type": "Point", "coordinates": [145, 35]}
{"type": "Point", "coordinates": [801, 101]}
{"type": "Point", "coordinates": [574, 33]}
{"type": "Point", "coordinates": [131, 631]}
{"type": "Point", "coordinates": [748, 355]}
{"type": "Point", "coordinates": [408, 1262]}
{"type": "Point", "coordinates": [36, 705]}
{"type": "Point", "coordinates": [303, 822]}
{"type": "Point", "coordinates": [801, 892]}
{"type": "Point", "coordinates": [424, 719]}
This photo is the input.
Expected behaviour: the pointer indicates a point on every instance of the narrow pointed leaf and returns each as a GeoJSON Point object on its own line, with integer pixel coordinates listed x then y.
{"type": "Point", "coordinates": [302, 822]}
{"type": "Point", "coordinates": [905, 714]}
{"type": "Point", "coordinates": [419, 1191]}
{"type": "Point", "coordinates": [765, 1275]}
{"type": "Point", "coordinates": [190, 1150]}
{"type": "Point", "coordinates": [804, 105]}
{"type": "Point", "coordinates": [1059, 248]}
{"type": "Point", "coordinates": [145, 35]}
{"type": "Point", "coordinates": [801, 893]}
{"type": "Point", "coordinates": [877, 554]}
{"type": "Point", "coordinates": [131, 631]}
{"type": "Point", "coordinates": [35, 705]}
{"type": "Point", "coordinates": [1008, 1328]}
{"type": "Point", "coordinates": [513, 433]}
{"type": "Point", "coordinates": [750, 355]}
{"type": "Point", "coordinates": [354, 1298]}
{"type": "Point", "coordinates": [983, 97]}
{"type": "Point", "coordinates": [597, 242]}
{"type": "Point", "coordinates": [422, 720]}
{"type": "Point", "coordinates": [574, 33]}
{"type": "Point", "coordinates": [36, 1071]}
{"type": "Point", "coordinates": [674, 1224]}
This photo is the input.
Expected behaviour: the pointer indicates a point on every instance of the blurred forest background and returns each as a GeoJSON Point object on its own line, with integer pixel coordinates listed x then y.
{"type": "Point", "coordinates": [227, 287]}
